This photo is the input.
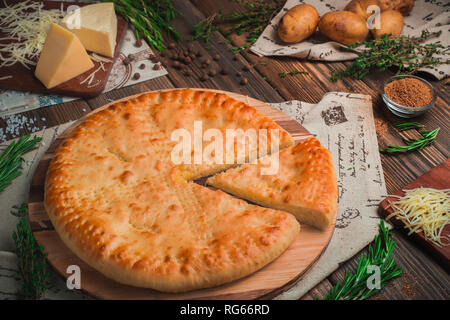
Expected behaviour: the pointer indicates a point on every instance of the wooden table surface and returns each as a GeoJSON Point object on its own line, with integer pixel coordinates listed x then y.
{"type": "Point", "coordinates": [423, 277]}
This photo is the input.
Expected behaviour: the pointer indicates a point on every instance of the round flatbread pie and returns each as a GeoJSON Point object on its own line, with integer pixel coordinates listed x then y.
{"type": "Point", "coordinates": [119, 202]}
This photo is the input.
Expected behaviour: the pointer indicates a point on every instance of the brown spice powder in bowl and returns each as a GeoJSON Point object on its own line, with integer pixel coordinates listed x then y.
{"type": "Point", "coordinates": [409, 92]}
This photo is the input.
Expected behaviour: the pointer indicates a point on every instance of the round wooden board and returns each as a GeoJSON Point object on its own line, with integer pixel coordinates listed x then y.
{"type": "Point", "coordinates": [273, 279]}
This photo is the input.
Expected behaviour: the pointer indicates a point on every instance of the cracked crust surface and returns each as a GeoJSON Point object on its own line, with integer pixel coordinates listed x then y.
{"type": "Point", "coordinates": [305, 184]}
{"type": "Point", "coordinates": [117, 200]}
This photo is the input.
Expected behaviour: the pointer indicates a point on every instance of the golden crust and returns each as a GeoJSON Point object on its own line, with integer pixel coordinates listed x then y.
{"type": "Point", "coordinates": [117, 200]}
{"type": "Point", "coordinates": [305, 184]}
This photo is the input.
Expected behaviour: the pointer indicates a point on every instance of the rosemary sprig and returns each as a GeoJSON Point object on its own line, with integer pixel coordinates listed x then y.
{"type": "Point", "coordinates": [354, 286]}
{"type": "Point", "coordinates": [408, 53]}
{"type": "Point", "coordinates": [402, 126]}
{"type": "Point", "coordinates": [149, 18]}
{"type": "Point", "coordinates": [11, 159]}
{"type": "Point", "coordinates": [428, 137]}
{"type": "Point", "coordinates": [32, 263]}
{"type": "Point", "coordinates": [252, 21]}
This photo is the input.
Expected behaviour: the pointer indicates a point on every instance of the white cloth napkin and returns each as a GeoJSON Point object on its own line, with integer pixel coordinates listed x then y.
{"type": "Point", "coordinates": [428, 15]}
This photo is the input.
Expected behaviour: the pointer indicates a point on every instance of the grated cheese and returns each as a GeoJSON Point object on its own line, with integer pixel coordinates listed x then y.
{"type": "Point", "coordinates": [26, 24]}
{"type": "Point", "coordinates": [98, 58]}
{"type": "Point", "coordinates": [426, 210]}
{"type": "Point", "coordinates": [91, 76]}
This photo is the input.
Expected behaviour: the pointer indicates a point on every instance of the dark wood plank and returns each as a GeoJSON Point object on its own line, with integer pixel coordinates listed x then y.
{"type": "Point", "coordinates": [437, 178]}
{"type": "Point", "coordinates": [420, 279]}
{"type": "Point", "coordinates": [398, 170]}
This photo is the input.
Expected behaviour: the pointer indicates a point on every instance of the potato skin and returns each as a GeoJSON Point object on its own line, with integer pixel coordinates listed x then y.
{"type": "Point", "coordinates": [298, 23]}
{"type": "Point", "coordinates": [404, 6]}
{"type": "Point", "coordinates": [391, 22]}
{"type": "Point", "coordinates": [360, 7]}
{"type": "Point", "coordinates": [343, 26]}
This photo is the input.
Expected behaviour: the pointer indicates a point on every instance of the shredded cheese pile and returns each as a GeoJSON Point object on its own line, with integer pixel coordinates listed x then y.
{"type": "Point", "coordinates": [426, 210]}
{"type": "Point", "coordinates": [26, 24]}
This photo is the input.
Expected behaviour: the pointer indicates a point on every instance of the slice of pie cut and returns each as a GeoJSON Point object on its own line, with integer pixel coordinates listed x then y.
{"type": "Point", "coordinates": [111, 195]}
{"type": "Point", "coordinates": [304, 184]}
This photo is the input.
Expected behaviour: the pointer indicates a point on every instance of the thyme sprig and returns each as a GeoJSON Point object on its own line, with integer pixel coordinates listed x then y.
{"type": "Point", "coordinates": [12, 158]}
{"type": "Point", "coordinates": [149, 18]}
{"type": "Point", "coordinates": [252, 21]}
{"type": "Point", "coordinates": [32, 264]}
{"type": "Point", "coordinates": [408, 53]}
{"type": "Point", "coordinates": [294, 72]}
{"type": "Point", "coordinates": [354, 286]}
{"type": "Point", "coordinates": [428, 137]}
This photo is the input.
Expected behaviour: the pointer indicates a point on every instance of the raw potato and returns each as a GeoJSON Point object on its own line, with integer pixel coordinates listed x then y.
{"type": "Point", "coordinates": [298, 23]}
{"type": "Point", "coordinates": [391, 22]}
{"type": "Point", "coordinates": [404, 6]}
{"type": "Point", "coordinates": [360, 7]}
{"type": "Point", "coordinates": [343, 26]}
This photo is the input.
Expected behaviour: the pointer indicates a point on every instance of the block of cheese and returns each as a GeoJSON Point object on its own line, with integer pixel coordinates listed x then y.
{"type": "Point", "coordinates": [96, 27]}
{"type": "Point", "coordinates": [63, 57]}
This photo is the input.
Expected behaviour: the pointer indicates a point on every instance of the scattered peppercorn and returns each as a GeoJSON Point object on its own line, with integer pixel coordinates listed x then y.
{"type": "Point", "coordinates": [187, 73]}
{"type": "Point", "coordinates": [203, 66]}
{"type": "Point", "coordinates": [204, 77]}
{"type": "Point", "coordinates": [136, 76]}
{"type": "Point", "coordinates": [131, 57]}
{"type": "Point", "coordinates": [176, 65]}
{"type": "Point", "coordinates": [138, 43]}
{"type": "Point", "coordinates": [142, 66]}
{"type": "Point", "coordinates": [187, 60]}
{"type": "Point", "coordinates": [246, 68]}
{"type": "Point", "coordinates": [244, 81]}
{"type": "Point", "coordinates": [216, 57]}
{"type": "Point", "coordinates": [212, 72]}
{"type": "Point", "coordinates": [172, 45]}
{"type": "Point", "coordinates": [206, 61]}
{"type": "Point", "coordinates": [126, 61]}
{"type": "Point", "coordinates": [157, 66]}
{"type": "Point", "coordinates": [239, 74]}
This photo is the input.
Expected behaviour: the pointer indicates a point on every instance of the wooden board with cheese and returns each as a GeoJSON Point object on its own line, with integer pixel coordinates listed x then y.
{"type": "Point", "coordinates": [437, 178]}
{"type": "Point", "coordinates": [64, 60]}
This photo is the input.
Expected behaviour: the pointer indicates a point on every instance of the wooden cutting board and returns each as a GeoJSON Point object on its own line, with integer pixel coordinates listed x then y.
{"type": "Point", "coordinates": [23, 79]}
{"type": "Point", "coordinates": [437, 178]}
{"type": "Point", "coordinates": [273, 279]}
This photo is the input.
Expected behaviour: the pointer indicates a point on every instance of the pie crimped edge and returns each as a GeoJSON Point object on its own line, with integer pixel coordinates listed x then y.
{"type": "Point", "coordinates": [92, 247]}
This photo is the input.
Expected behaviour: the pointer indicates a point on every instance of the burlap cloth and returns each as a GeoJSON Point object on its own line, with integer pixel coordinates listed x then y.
{"type": "Point", "coordinates": [428, 15]}
{"type": "Point", "coordinates": [343, 122]}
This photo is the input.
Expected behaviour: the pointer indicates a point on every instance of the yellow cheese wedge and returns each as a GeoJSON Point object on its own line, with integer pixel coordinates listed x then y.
{"type": "Point", "coordinates": [62, 58]}
{"type": "Point", "coordinates": [96, 27]}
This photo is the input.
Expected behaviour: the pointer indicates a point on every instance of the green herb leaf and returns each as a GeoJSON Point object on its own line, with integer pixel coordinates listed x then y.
{"type": "Point", "coordinates": [32, 263]}
{"type": "Point", "coordinates": [408, 53]}
{"type": "Point", "coordinates": [354, 286]}
{"type": "Point", "coordinates": [428, 137]}
{"type": "Point", "coordinates": [11, 159]}
{"type": "Point", "coordinates": [149, 18]}
{"type": "Point", "coordinates": [252, 21]}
